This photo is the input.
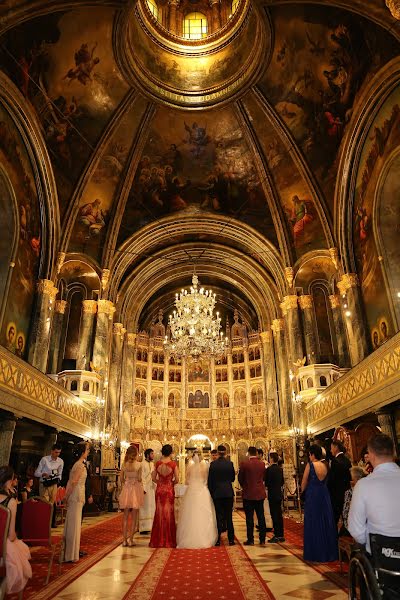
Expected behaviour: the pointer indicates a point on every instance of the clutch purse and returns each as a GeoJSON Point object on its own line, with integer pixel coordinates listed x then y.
{"type": "Point", "coordinates": [180, 490]}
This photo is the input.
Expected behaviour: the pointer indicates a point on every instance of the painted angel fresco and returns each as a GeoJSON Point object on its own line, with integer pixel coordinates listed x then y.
{"type": "Point", "coordinates": [85, 62]}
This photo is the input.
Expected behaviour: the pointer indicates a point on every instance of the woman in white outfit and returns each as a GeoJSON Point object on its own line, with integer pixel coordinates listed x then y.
{"type": "Point", "coordinates": [75, 499]}
{"type": "Point", "coordinates": [197, 526]}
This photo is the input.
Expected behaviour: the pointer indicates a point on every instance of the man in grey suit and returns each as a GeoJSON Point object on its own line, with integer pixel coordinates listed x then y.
{"type": "Point", "coordinates": [220, 478]}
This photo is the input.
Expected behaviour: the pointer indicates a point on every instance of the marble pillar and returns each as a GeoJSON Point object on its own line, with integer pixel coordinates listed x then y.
{"type": "Point", "coordinates": [7, 428]}
{"type": "Point", "coordinates": [215, 15]}
{"type": "Point", "coordinates": [385, 420]}
{"type": "Point", "coordinates": [353, 316]}
{"type": "Point", "coordinates": [306, 305]}
{"type": "Point", "coordinates": [114, 379]}
{"type": "Point", "coordinates": [39, 342]}
{"type": "Point", "coordinates": [105, 312]}
{"type": "Point", "coordinates": [55, 357]}
{"type": "Point", "coordinates": [282, 368]}
{"type": "Point", "coordinates": [173, 5]}
{"type": "Point", "coordinates": [290, 312]}
{"type": "Point", "coordinates": [269, 377]}
{"type": "Point", "coordinates": [342, 355]}
{"type": "Point", "coordinates": [89, 309]}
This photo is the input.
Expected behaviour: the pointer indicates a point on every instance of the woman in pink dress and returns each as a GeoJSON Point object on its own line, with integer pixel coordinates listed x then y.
{"type": "Point", "coordinates": [131, 497]}
{"type": "Point", "coordinates": [18, 568]}
{"type": "Point", "coordinates": [165, 475]}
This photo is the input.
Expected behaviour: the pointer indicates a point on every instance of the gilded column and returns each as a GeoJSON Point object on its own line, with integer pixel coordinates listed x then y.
{"type": "Point", "coordinates": [306, 305]}
{"type": "Point", "coordinates": [284, 407]}
{"type": "Point", "coordinates": [353, 317]}
{"type": "Point", "coordinates": [43, 315]}
{"type": "Point", "coordinates": [89, 309]}
{"type": "Point", "coordinates": [340, 333]}
{"type": "Point", "coordinates": [173, 5]}
{"type": "Point", "coordinates": [249, 409]}
{"type": "Point", "coordinates": [290, 311]}
{"type": "Point", "coordinates": [230, 388]}
{"type": "Point", "coordinates": [114, 379]}
{"type": "Point", "coordinates": [7, 428]}
{"type": "Point", "coordinates": [269, 377]}
{"type": "Point", "coordinates": [105, 312]}
{"type": "Point", "coordinates": [127, 386]}
{"type": "Point", "coordinates": [55, 338]}
{"type": "Point", "coordinates": [215, 15]}
{"type": "Point", "coordinates": [166, 381]}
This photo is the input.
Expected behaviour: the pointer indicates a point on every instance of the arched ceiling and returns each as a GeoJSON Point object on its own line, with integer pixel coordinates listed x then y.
{"type": "Point", "coordinates": [247, 183]}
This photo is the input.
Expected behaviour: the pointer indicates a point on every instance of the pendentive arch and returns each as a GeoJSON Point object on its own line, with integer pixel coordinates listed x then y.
{"type": "Point", "coordinates": [11, 212]}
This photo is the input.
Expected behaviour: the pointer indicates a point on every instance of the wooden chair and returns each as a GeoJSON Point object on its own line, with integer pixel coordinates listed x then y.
{"type": "Point", "coordinates": [36, 527]}
{"type": "Point", "coordinates": [346, 543]}
{"type": "Point", "coordinates": [5, 517]}
{"type": "Point", "coordinates": [60, 507]}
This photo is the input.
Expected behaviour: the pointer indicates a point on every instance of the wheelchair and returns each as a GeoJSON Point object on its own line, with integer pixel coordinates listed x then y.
{"type": "Point", "coordinates": [375, 576]}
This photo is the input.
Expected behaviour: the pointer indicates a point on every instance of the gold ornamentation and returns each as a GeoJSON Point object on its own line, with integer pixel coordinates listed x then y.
{"type": "Point", "coordinates": [89, 306]}
{"type": "Point", "coordinates": [105, 276]}
{"type": "Point", "coordinates": [394, 7]}
{"type": "Point", "coordinates": [105, 307]}
{"type": "Point", "coordinates": [305, 302]}
{"type": "Point", "coordinates": [60, 261]}
{"type": "Point", "coordinates": [335, 301]}
{"type": "Point", "coordinates": [265, 337]}
{"type": "Point", "coordinates": [278, 325]}
{"type": "Point", "coordinates": [349, 280]}
{"type": "Point", "coordinates": [117, 328]}
{"type": "Point", "coordinates": [131, 338]}
{"type": "Point", "coordinates": [334, 254]}
{"type": "Point", "coordinates": [47, 287]}
{"type": "Point", "coordinates": [289, 303]}
{"type": "Point", "coordinates": [60, 306]}
{"type": "Point", "coordinates": [289, 274]}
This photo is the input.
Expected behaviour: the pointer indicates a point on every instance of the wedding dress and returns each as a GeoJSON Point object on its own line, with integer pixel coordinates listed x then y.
{"type": "Point", "coordinates": [197, 526]}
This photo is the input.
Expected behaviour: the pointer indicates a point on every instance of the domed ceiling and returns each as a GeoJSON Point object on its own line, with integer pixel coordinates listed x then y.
{"type": "Point", "coordinates": [230, 143]}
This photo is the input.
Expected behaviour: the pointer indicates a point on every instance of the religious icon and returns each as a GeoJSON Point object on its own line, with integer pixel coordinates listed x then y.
{"type": "Point", "coordinates": [19, 351]}
{"type": "Point", "coordinates": [11, 333]}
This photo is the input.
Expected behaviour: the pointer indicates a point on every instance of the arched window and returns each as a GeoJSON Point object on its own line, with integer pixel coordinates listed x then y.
{"type": "Point", "coordinates": [195, 26]}
{"type": "Point", "coordinates": [74, 385]}
{"type": "Point", "coordinates": [322, 380]}
{"type": "Point", "coordinates": [85, 386]}
{"type": "Point", "coordinates": [310, 382]}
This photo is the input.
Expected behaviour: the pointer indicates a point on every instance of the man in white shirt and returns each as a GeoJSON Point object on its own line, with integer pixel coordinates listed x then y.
{"type": "Point", "coordinates": [374, 505]}
{"type": "Point", "coordinates": [50, 471]}
{"type": "Point", "coordinates": [146, 512]}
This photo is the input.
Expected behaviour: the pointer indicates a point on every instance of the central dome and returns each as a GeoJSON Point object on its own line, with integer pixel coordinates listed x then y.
{"type": "Point", "coordinates": [197, 62]}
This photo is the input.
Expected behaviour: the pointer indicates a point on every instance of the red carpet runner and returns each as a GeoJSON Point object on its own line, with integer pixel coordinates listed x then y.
{"type": "Point", "coordinates": [221, 573]}
{"type": "Point", "coordinates": [97, 540]}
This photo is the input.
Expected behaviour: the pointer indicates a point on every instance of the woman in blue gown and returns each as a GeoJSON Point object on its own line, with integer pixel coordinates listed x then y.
{"type": "Point", "coordinates": [320, 532]}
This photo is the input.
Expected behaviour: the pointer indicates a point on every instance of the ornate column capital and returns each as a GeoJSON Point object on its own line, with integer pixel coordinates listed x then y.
{"type": "Point", "coordinates": [105, 307]}
{"type": "Point", "coordinates": [47, 287]}
{"type": "Point", "coordinates": [394, 7]}
{"type": "Point", "coordinates": [105, 276]}
{"type": "Point", "coordinates": [278, 325]}
{"type": "Point", "coordinates": [305, 302]}
{"type": "Point", "coordinates": [60, 306]}
{"type": "Point", "coordinates": [289, 274]}
{"type": "Point", "coordinates": [119, 329]}
{"type": "Point", "coordinates": [335, 301]}
{"type": "Point", "coordinates": [265, 336]}
{"type": "Point", "coordinates": [131, 339]}
{"type": "Point", "coordinates": [89, 306]}
{"type": "Point", "coordinates": [349, 280]}
{"type": "Point", "coordinates": [289, 303]}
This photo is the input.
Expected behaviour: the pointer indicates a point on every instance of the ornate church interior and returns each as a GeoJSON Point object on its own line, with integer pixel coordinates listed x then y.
{"type": "Point", "coordinates": [199, 246]}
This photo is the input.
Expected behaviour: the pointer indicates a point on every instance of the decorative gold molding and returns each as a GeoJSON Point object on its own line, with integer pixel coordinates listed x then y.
{"type": "Point", "coordinates": [60, 306]}
{"type": "Point", "coordinates": [305, 302]}
{"type": "Point", "coordinates": [60, 261]}
{"type": "Point", "coordinates": [334, 254]}
{"type": "Point", "coordinates": [289, 303]}
{"type": "Point", "coordinates": [289, 274]}
{"type": "Point", "coordinates": [131, 339]}
{"type": "Point", "coordinates": [118, 329]}
{"type": "Point", "coordinates": [89, 306]}
{"type": "Point", "coordinates": [349, 280]}
{"type": "Point", "coordinates": [105, 276]}
{"type": "Point", "coordinates": [335, 301]}
{"type": "Point", "coordinates": [394, 7]}
{"type": "Point", "coordinates": [266, 337]}
{"type": "Point", "coordinates": [105, 307]}
{"type": "Point", "coordinates": [47, 287]}
{"type": "Point", "coordinates": [278, 325]}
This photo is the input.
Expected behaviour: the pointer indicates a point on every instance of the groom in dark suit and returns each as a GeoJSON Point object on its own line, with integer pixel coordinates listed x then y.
{"type": "Point", "coordinates": [221, 475]}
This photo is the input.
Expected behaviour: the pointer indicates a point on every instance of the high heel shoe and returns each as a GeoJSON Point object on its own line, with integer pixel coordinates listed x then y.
{"type": "Point", "coordinates": [131, 543]}
{"type": "Point", "coordinates": [125, 544]}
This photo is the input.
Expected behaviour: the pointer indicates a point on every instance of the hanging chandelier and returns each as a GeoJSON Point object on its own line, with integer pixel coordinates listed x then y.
{"type": "Point", "coordinates": [194, 331]}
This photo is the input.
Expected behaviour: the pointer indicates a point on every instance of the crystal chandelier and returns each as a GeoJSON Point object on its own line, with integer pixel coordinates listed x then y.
{"type": "Point", "coordinates": [194, 331]}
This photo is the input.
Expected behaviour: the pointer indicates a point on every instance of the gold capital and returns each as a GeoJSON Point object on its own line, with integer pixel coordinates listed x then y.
{"type": "Point", "coordinates": [105, 276]}
{"type": "Point", "coordinates": [278, 325]}
{"type": "Point", "coordinates": [60, 306]}
{"type": "Point", "coordinates": [47, 287]}
{"type": "Point", "coordinates": [289, 303]}
{"type": "Point", "coordinates": [289, 274]}
{"type": "Point", "coordinates": [335, 301]}
{"type": "Point", "coordinates": [265, 336]}
{"type": "Point", "coordinates": [305, 302]}
{"type": "Point", "coordinates": [131, 337]}
{"type": "Point", "coordinates": [348, 281]}
{"type": "Point", "coordinates": [118, 329]}
{"type": "Point", "coordinates": [105, 307]}
{"type": "Point", "coordinates": [89, 306]}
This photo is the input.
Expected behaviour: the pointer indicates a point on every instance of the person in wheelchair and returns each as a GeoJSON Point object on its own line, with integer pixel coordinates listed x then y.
{"type": "Point", "coordinates": [374, 523]}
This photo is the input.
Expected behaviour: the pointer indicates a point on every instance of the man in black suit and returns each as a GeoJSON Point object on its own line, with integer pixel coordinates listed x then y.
{"type": "Point", "coordinates": [339, 478]}
{"type": "Point", "coordinates": [274, 484]}
{"type": "Point", "coordinates": [220, 478]}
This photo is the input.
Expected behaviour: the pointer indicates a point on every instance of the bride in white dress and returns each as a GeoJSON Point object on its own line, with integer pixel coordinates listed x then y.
{"type": "Point", "coordinates": [197, 525]}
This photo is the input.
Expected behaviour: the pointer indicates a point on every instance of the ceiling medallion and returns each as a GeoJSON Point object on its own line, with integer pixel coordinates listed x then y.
{"type": "Point", "coordinates": [192, 73]}
{"type": "Point", "coordinates": [194, 330]}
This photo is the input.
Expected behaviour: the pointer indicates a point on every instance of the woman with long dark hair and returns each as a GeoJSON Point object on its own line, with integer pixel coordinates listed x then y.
{"type": "Point", "coordinates": [18, 568]}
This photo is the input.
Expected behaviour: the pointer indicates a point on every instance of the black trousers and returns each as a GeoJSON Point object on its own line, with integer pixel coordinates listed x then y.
{"type": "Point", "coordinates": [275, 506]}
{"type": "Point", "coordinates": [257, 506]}
{"type": "Point", "coordinates": [223, 509]}
{"type": "Point", "coordinates": [337, 505]}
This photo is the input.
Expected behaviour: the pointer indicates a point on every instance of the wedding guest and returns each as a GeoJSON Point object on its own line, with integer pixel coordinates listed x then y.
{"type": "Point", "coordinates": [251, 478]}
{"type": "Point", "coordinates": [18, 568]}
{"type": "Point", "coordinates": [365, 462]}
{"type": "Point", "coordinates": [165, 475]}
{"type": "Point", "coordinates": [356, 474]}
{"type": "Point", "coordinates": [214, 455]}
{"type": "Point", "coordinates": [221, 475]}
{"type": "Point", "coordinates": [274, 483]}
{"type": "Point", "coordinates": [320, 533]}
{"type": "Point", "coordinates": [146, 512]}
{"type": "Point", "coordinates": [74, 500]}
{"type": "Point", "coordinates": [27, 491]}
{"type": "Point", "coordinates": [339, 478]}
{"type": "Point", "coordinates": [131, 497]}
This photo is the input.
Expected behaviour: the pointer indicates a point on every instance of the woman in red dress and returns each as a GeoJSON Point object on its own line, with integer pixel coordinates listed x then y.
{"type": "Point", "coordinates": [165, 475]}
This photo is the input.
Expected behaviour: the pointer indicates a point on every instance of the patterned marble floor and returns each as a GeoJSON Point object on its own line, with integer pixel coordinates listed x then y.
{"type": "Point", "coordinates": [286, 576]}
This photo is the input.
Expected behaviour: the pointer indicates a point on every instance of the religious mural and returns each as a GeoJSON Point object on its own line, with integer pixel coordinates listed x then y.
{"type": "Point", "coordinates": [321, 58]}
{"type": "Point", "coordinates": [199, 399]}
{"type": "Point", "coordinates": [15, 161]}
{"type": "Point", "coordinates": [199, 371]}
{"type": "Point", "coordinates": [64, 65]}
{"type": "Point", "coordinates": [193, 164]}
{"type": "Point", "coordinates": [383, 138]}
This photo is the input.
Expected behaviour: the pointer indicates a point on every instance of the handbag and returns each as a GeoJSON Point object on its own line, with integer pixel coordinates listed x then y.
{"type": "Point", "coordinates": [50, 481]}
